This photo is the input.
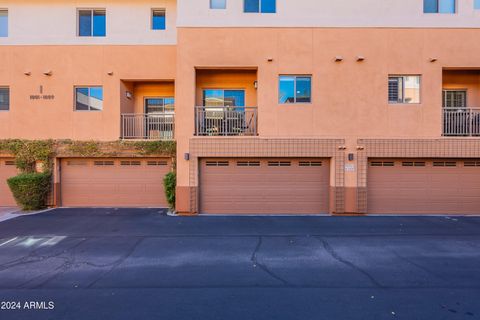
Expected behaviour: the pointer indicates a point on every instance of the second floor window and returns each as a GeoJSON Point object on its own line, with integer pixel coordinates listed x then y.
{"type": "Point", "coordinates": [295, 89]}
{"type": "Point", "coordinates": [262, 6]}
{"type": "Point", "coordinates": [403, 89]}
{"type": "Point", "coordinates": [88, 98]}
{"type": "Point", "coordinates": [218, 4]}
{"type": "Point", "coordinates": [92, 23]}
{"type": "Point", "coordinates": [159, 20]}
{"type": "Point", "coordinates": [3, 23]}
{"type": "Point", "coordinates": [4, 99]}
{"type": "Point", "coordinates": [439, 6]}
{"type": "Point", "coordinates": [476, 4]}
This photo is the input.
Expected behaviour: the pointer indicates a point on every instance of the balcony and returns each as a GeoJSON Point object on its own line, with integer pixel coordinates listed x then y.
{"type": "Point", "coordinates": [226, 121]}
{"type": "Point", "coordinates": [461, 122]}
{"type": "Point", "coordinates": [148, 126]}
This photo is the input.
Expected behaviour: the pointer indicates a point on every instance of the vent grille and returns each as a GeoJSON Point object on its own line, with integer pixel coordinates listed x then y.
{"type": "Point", "coordinates": [413, 164]}
{"type": "Point", "coordinates": [248, 163]}
{"type": "Point", "coordinates": [444, 164]}
{"type": "Point", "coordinates": [157, 163]}
{"type": "Point", "coordinates": [9, 163]}
{"type": "Point", "coordinates": [77, 163]}
{"type": "Point", "coordinates": [217, 164]}
{"type": "Point", "coordinates": [472, 164]}
{"type": "Point", "coordinates": [279, 163]}
{"type": "Point", "coordinates": [310, 163]}
{"type": "Point", "coordinates": [130, 163]}
{"type": "Point", "coordinates": [382, 164]}
{"type": "Point", "coordinates": [103, 163]}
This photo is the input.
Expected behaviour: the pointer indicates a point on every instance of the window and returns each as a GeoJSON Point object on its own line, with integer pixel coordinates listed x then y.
{"type": "Point", "coordinates": [92, 23]}
{"type": "Point", "coordinates": [3, 23]}
{"type": "Point", "coordinates": [439, 6]}
{"type": "Point", "coordinates": [88, 98]}
{"type": "Point", "coordinates": [476, 5]}
{"type": "Point", "coordinates": [159, 19]}
{"type": "Point", "coordinates": [295, 89]}
{"type": "Point", "coordinates": [263, 6]}
{"type": "Point", "coordinates": [404, 89]}
{"type": "Point", "coordinates": [4, 99]}
{"type": "Point", "coordinates": [218, 4]}
{"type": "Point", "coordinates": [223, 98]}
{"type": "Point", "coordinates": [159, 105]}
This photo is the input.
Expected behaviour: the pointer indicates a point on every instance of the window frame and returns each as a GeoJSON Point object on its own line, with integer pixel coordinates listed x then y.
{"type": "Point", "coordinates": [259, 7]}
{"type": "Point", "coordinates": [145, 107]}
{"type": "Point", "coordinates": [92, 10]}
{"type": "Point", "coordinates": [403, 76]}
{"type": "Point", "coordinates": [8, 22]}
{"type": "Point", "coordinates": [9, 100]}
{"type": "Point", "coordinates": [244, 90]}
{"type": "Point", "coordinates": [438, 8]}
{"type": "Point", "coordinates": [212, 8]}
{"type": "Point", "coordinates": [152, 11]}
{"type": "Point", "coordinates": [89, 87]}
{"type": "Point", "coordinates": [296, 76]}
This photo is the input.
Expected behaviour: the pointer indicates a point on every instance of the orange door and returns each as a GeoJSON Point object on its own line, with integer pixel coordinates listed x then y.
{"type": "Point", "coordinates": [7, 170]}
{"type": "Point", "coordinates": [113, 182]}
{"type": "Point", "coordinates": [264, 186]}
{"type": "Point", "coordinates": [424, 186]}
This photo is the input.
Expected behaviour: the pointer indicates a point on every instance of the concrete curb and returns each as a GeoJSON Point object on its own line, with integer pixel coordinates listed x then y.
{"type": "Point", "coordinates": [20, 213]}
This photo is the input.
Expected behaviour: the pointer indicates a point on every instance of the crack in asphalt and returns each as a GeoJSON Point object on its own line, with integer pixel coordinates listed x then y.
{"type": "Point", "coordinates": [254, 259]}
{"type": "Point", "coordinates": [350, 264]}
{"type": "Point", "coordinates": [419, 266]}
{"type": "Point", "coordinates": [117, 263]}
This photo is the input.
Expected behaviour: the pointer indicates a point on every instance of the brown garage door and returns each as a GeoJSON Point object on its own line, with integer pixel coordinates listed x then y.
{"type": "Point", "coordinates": [7, 170]}
{"type": "Point", "coordinates": [424, 186]}
{"type": "Point", "coordinates": [264, 186]}
{"type": "Point", "coordinates": [113, 182]}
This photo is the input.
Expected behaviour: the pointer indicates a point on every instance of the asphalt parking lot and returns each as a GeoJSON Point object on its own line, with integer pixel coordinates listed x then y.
{"type": "Point", "coordinates": [142, 264]}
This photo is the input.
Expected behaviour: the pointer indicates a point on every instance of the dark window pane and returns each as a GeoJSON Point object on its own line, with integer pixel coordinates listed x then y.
{"type": "Point", "coordinates": [3, 23]}
{"type": "Point", "coordinates": [99, 23]}
{"type": "Point", "coordinates": [430, 6]}
{"type": "Point", "coordinates": [252, 6]}
{"type": "Point", "coordinates": [4, 99]}
{"type": "Point", "coordinates": [269, 6]}
{"type": "Point", "coordinates": [234, 98]}
{"type": "Point", "coordinates": [158, 20]}
{"type": "Point", "coordinates": [287, 89]}
{"type": "Point", "coordinates": [85, 23]}
{"type": "Point", "coordinates": [304, 89]}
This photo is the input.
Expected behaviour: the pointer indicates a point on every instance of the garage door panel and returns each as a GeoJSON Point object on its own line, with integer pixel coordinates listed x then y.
{"type": "Point", "coordinates": [432, 188]}
{"type": "Point", "coordinates": [7, 170]}
{"type": "Point", "coordinates": [263, 188]}
{"type": "Point", "coordinates": [114, 185]}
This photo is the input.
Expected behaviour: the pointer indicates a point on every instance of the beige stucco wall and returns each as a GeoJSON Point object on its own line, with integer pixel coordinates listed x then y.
{"type": "Point", "coordinates": [349, 98]}
{"type": "Point", "coordinates": [327, 13]}
{"type": "Point", "coordinates": [54, 22]}
{"type": "Point", "coordinates": [75, 66]}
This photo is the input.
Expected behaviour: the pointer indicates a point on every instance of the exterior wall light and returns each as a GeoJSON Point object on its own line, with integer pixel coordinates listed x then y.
{"type": "Point", "coordinates": [186, 156]}
{"type": "Point", "coordinates": [110, 73]}
{"type": "Point", "coordinates": [27, 73]}
{"type": "Point", "coordinates": [360, 58]}
{"type": "Point", "coordinates": [129, 95]}
{"type": "Point", "coordinates": [270, 59]}
{"type": "Point", "coordinates": [255, 84]}
{"type": "Point", "coordinates": [360, 148]}
{"type": "Point", "coordinates": [338, 59]}
{"type": "Point", "coordinates": [48, 73]}
{"type": "Point", "coordinates": [433, 60]}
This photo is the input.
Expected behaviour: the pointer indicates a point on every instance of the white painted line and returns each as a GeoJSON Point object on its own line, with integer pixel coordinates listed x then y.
{"type": "Point", "coordinates": [8, 241]}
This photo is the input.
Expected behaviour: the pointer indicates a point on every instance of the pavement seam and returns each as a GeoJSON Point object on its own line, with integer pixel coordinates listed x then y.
{"type": "Point", "coordinates": [350, 264]}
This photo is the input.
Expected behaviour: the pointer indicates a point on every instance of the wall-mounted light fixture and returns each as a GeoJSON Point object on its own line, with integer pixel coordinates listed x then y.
{"type": "Point", "coordinates": [186, 156]}
{"type": "Point", "coordinates": [360, 148]}
{"type": "Point", "coordinates": [129, 95]}
{"type": "Point", "coordinates": [433, 60]}
{"type": "Point", "coordinates": [342, 148]}
{"type": "Point", "coordinates": [27, 73]}
{"type": "Point", "coordinates": [255, 84]}
{"type": "Point", "coordinates": [110, 73]}
{"type": "Point", "coordinates": [360, 58]}
{"type": "Point", "coordinates": [338, 59]}
{"type": "Point", "coordinates": [270, 59]}
{"type": "Point", "coordinates": [48, 73]}
{"type": "Point", "coordinates": [351, 157]}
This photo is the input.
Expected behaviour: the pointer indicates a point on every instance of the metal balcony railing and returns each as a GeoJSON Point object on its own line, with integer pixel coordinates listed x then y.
{"type": "Point", "coordinates": [226, 121]}
{"type": "Point", "coordinates": [461, 122]}
{"type": "Point", "coordinates": [154, 126]}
